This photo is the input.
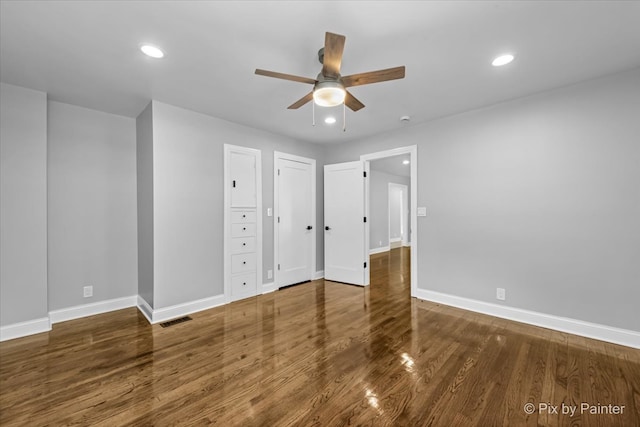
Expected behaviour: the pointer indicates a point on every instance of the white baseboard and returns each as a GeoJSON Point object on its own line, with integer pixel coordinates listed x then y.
{"type": "Point", "coordinates": [22, 329]}
{"type": "Point", "coordinates": [379, 250]}
{"type": "Point", "coordinates": [318, 275]}
{"type": "Point", "coordinates": [145, 309]}
{"type": "Point", "coordinates": [269, 287]}
{"type": "Point", "coordinates": [179, 310]}
{"type": "Point", "coordinates": [564, 324]}
{"type": "Point", "coordinates": [406, 244]}
{"type": "Point", "coordinates": [91, 309]}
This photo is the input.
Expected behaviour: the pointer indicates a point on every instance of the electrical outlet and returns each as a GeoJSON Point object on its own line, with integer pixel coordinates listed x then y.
{"type": "Point", "coordinates": [501, 294]}
{"type": "Point", "coordinates": [269, 274]}
{"type": "Point", "coordinates": [87, 291]}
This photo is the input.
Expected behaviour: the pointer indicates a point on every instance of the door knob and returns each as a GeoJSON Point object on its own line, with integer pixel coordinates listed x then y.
{"type": "Point", "coordinates": [309, 227]}
{"type": "Point", "coordinates": [327, 228]}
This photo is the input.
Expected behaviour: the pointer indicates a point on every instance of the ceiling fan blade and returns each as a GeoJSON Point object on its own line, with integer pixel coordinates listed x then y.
{"type": "Point", "coordinates": [373, 77]}
{"type": "Point", "coordinates": [285, 76]}
{"type": "Point", "coordinates": [333, 48]}
{"type": "Point", "coordinates": [299, 103]}
{"type": "Point", "coordinates": [351, 102]}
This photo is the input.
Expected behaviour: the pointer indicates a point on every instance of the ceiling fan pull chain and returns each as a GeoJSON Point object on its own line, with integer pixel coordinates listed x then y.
{"type": "Point", "coordinates": [344, 117]}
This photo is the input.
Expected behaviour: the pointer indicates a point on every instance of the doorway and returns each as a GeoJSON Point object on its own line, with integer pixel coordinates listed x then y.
{"type": "Point", "coordinates": [410, 154]}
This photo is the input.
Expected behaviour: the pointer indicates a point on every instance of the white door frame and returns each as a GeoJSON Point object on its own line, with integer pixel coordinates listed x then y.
{"type": "Point", "coordinates": [277, 155]}
{"type": "Point", "coordinates": [412, 150]}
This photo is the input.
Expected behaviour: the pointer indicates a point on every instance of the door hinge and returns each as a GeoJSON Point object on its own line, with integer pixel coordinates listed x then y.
{"type": "Point", "coordinates": [278, 267]}
{"type": "Point", "coordinates": [278, 172]}
{"type": "Point", "coordinates": [365, 265]}
{"type": "Point", "coordinates": [278, 220]}
{"type": "Point", "coordinates": [364, 173]}
{"type": "Point", "coordinates": [234, 183]}
{"type": "Point", "coordinates": [365, 219]}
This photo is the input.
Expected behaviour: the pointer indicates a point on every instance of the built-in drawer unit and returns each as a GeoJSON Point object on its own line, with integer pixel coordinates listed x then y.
{"type": "Point", "coordinates": [239, 217]}
{"type": "Point", "coordinates": [243, 245]}
{"type": "Point", "coordinates": [243, 230]}
{"type": "Point", "coordinates": [242, 263]}
{"type": "Point", "coordinates": [243, 222]}
{"type": "Point", "coordinates": [243, 284]}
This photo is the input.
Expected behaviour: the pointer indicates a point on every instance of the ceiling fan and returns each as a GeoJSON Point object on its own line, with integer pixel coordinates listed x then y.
{"type": "Point", "coordinates": [329, 88]}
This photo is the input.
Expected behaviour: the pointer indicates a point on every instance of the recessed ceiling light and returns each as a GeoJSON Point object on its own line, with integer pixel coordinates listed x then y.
{"type": "Point", "coordinates": [502, 60]}
{"type": "Point", "coordinates": [405, 162]}
{"type": "Point", "coordinates": [330, 120]}
{"type": "Point", "coordinates": [151, 51]}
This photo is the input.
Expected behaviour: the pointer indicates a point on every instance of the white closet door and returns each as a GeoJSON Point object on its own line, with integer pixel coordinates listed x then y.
{"type": "Point", "coordinates": [294, 222]}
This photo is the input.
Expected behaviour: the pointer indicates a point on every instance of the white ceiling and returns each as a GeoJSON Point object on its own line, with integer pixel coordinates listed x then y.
{"type": "Point", "coordinates": [86, 53]}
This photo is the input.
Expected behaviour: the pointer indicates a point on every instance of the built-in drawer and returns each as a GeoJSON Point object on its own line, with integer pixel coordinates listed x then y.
{"type": "Point", "coordinates": [239, 217]}
{"type": "Point", "coordinates": [243, 230]}
{"type": "Point", "coordinates": [243, 244]}
{"type": "Point", "coordinates": [243, 284]}
{"type": "Point", "coordinates": [243, 262]}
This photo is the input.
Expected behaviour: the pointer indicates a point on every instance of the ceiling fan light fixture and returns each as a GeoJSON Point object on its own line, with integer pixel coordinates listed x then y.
{"type": "Point", "coordinates": [329, 94]}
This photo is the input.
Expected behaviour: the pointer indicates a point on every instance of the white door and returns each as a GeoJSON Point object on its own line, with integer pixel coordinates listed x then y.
{"type": "Point", "coordinates": [294, 222]}
{"type": "Point", "coordinates": [242, 171]}
{"type": "Point", "coordinates": [344, 220]}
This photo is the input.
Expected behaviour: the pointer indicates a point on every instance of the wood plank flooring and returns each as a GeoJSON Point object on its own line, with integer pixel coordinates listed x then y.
{"type": "Point", "coordinates": [317, 354]}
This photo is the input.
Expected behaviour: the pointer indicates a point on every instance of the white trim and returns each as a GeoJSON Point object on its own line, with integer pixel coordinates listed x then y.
{"type": "Point", "coordinates": [379, 250]}
{"type": "Point", "coordinates": [406, 244]}
{"type": "Point", "coordinates": [23, 329]}
{"type": "Point", "coordinates": [277, 155]}
{"type": "Point", "coordinates": [145, 309]}
{"type": "Point", "coordinates": [395, 239]}
{"type": "Point", "coordinates": [412, 150]}
{"type": "Point", "coordinates": [179, 310]}
{"type": "Point", "coordinates": [318, 275]}
{"type": "Point", "coordinates": [564, 324]}
{"type": "Point", "coordinates": [269, 287]}
{"type": "Point", "coordinates": [367, 225]}
{"type": "Point", "coordinates": [91, 309]}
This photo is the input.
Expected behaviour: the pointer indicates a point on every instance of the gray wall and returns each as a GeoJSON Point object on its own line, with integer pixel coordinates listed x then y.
{"type": "Point", "coordinates": [92, 205]}
{"type": "Point", "coordinates": [23, 204]}
{"type": "Point", "coordinates": [188, 199]}
{"type": "Point", "coordinates": [379, 206]}
{"type": "Point", "coordinates": [144, 169]}
{"type": "Point", "coordinates": [540, 196]}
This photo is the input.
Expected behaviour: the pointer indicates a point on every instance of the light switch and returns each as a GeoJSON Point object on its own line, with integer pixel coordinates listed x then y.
{"type": "Point", "coordinates": [422, 211]}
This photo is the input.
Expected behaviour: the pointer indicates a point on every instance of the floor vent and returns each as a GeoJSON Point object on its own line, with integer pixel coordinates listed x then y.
{"type": "Point", "coordinates": [175, 321]}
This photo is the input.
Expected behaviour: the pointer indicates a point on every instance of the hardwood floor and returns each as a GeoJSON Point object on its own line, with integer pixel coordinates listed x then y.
{"type": "Point", "coordinates": [317, 354]}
